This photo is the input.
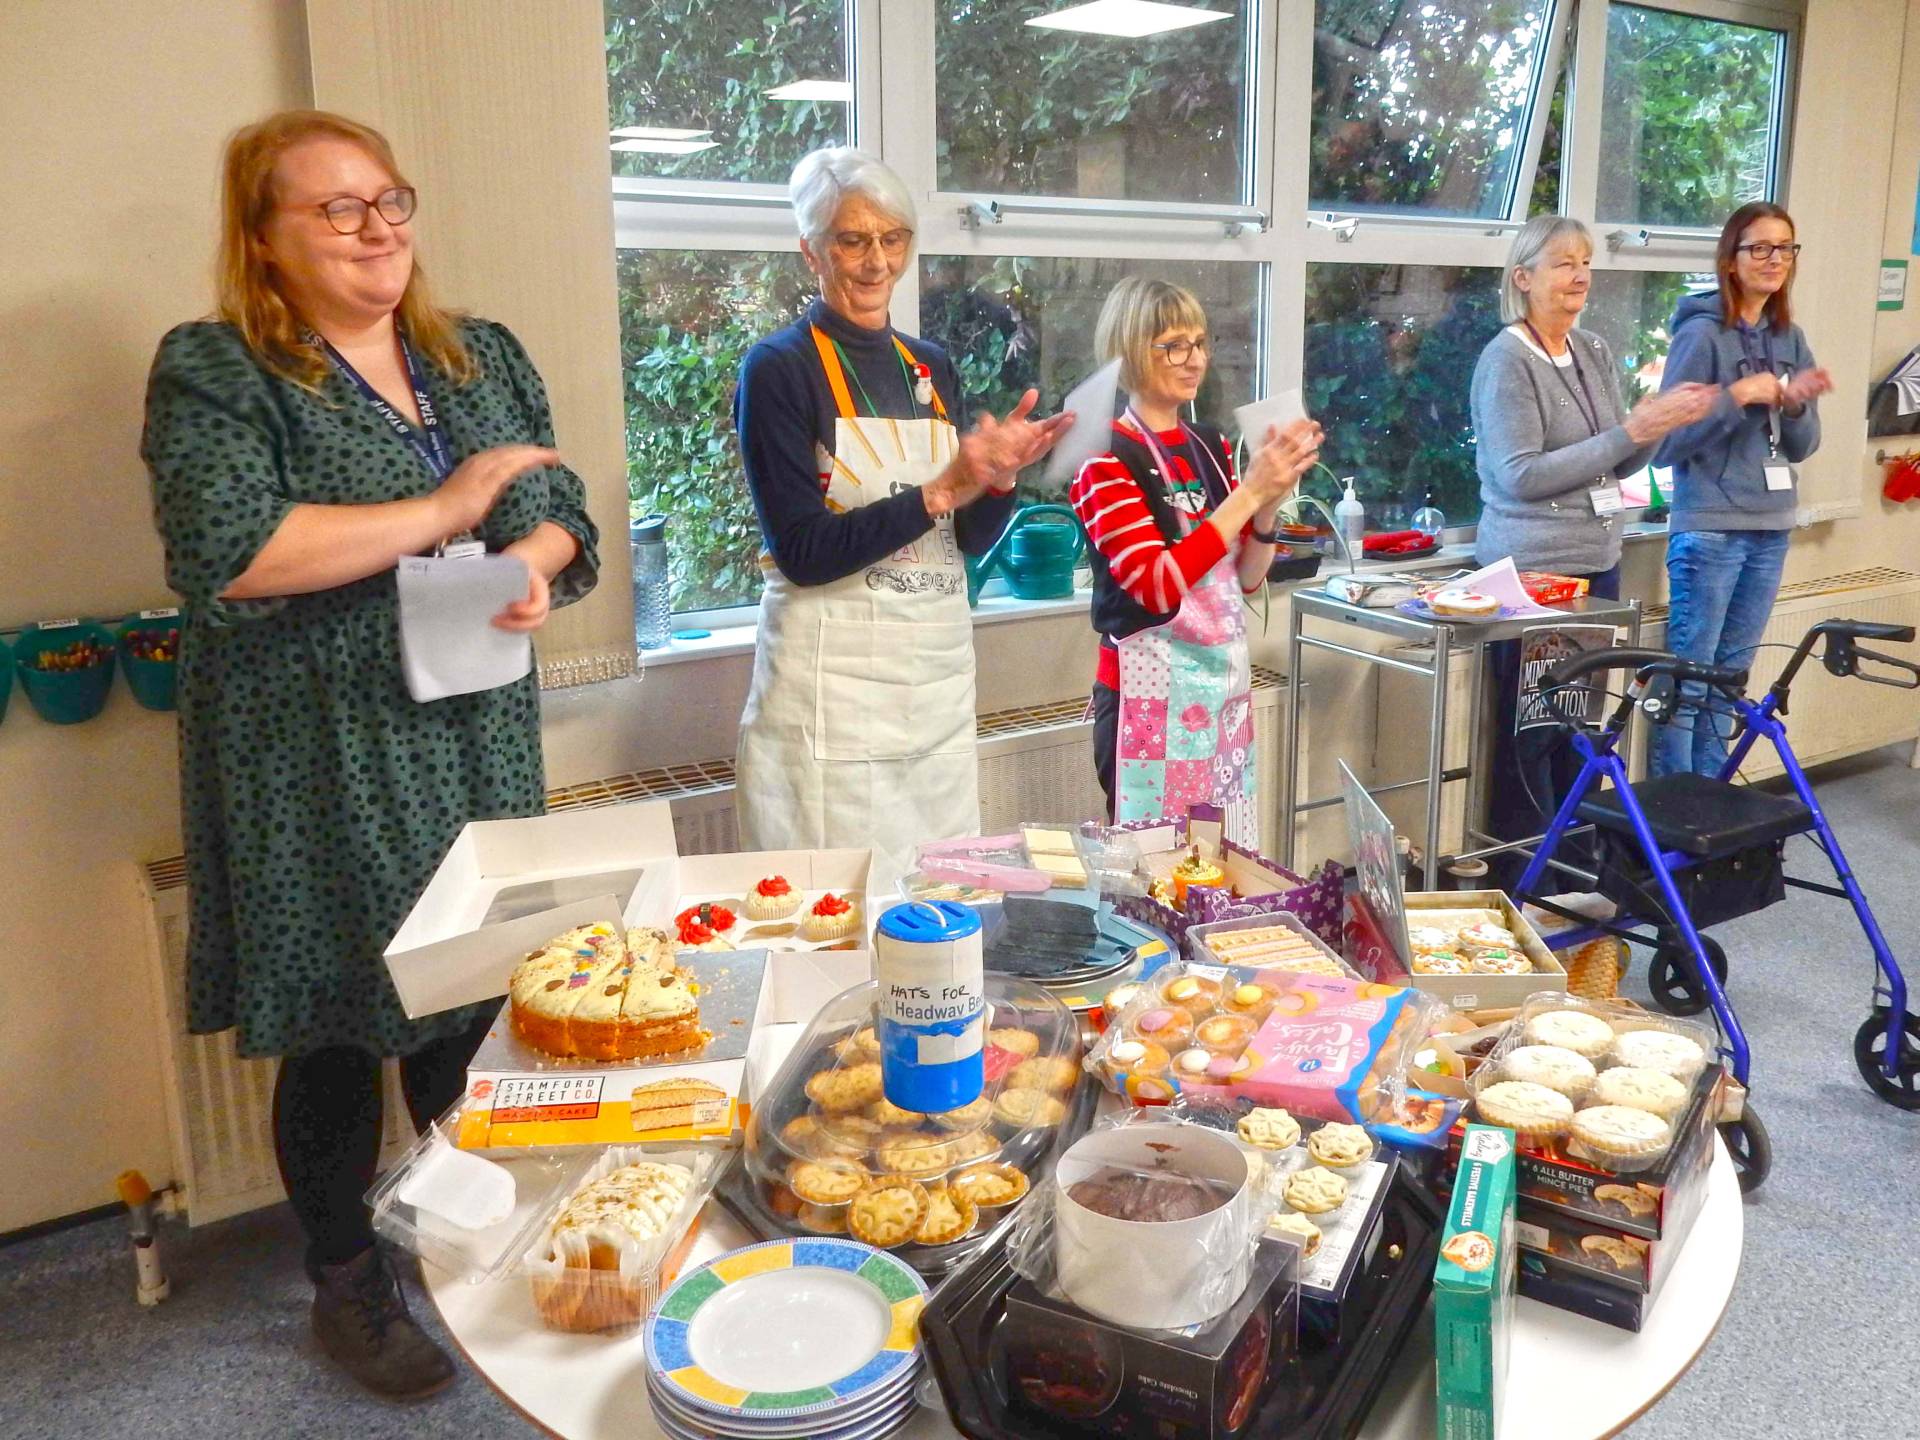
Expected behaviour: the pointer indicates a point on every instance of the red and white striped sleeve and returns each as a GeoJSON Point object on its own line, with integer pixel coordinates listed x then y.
{"type": "Point", "coordinates": [1114, 511]}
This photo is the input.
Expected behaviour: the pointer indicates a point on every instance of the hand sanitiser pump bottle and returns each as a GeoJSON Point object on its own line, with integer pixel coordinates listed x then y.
{"type": "Point", "coordinates": [1350, 519]}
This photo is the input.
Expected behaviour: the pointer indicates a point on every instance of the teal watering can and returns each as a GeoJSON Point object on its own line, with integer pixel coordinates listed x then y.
{"type": "Point", "coordinates": [1039, 555]}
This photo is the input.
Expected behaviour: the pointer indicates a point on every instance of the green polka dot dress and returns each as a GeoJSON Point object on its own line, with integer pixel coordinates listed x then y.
{"type": "Point", "coordinates": [317, 795]}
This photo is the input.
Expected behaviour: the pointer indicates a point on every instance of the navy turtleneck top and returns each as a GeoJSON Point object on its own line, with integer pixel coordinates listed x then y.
{"type": "Point", "coordinates": [784, 407]}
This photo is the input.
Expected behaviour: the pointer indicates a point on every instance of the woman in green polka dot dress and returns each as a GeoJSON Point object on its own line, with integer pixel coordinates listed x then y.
{"type": "Point", "coordinates": [331, 422]}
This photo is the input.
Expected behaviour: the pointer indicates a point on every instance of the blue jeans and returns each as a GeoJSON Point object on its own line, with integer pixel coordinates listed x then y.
{"type": "Point", "coordinates": [1721, 585]}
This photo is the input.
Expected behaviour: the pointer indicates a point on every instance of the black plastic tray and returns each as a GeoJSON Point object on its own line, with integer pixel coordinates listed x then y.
{"type": "Point", "coordinates": [1324, 1395]}
{"type": "Point", "coordinates": [737, 1191]}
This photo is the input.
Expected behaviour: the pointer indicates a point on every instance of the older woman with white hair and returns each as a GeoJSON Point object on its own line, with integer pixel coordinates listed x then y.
{"type": "Point", "coordinates": [870, 488]}
{"type": "Point", "coordinates": [1555, 438]}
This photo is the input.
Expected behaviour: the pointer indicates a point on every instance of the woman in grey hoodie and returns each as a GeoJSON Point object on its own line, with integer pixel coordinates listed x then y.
{"type": "Point", "coordinates": [1734, 488]}
{"type": "Point", "coordinates": [1553, 439]}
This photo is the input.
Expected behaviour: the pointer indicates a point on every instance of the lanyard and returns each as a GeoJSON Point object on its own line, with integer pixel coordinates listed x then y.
{"type": "Point", "coordinates": [1165, 461]}
{"type": "Point", "coordinates": [427, 441]}
{"type": "Point", "coordinates": [831, 357]}
{"type": "Point", "coordinates": [1751, 364]}
{"type": "Point", "coordinates": [1583, 400]}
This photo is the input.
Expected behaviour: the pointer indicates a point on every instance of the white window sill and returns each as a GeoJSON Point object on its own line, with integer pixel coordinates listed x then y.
{"type": "Point", "coordinates": [738, 638]}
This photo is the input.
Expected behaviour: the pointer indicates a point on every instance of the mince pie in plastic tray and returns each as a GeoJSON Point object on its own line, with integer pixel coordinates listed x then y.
{"type": "Point", "coordinates": [1604, 1083]}
{"type": "Point", "coordinates": [828, 1154]}
{"type": "Point", "coordinates": [598, 1232]}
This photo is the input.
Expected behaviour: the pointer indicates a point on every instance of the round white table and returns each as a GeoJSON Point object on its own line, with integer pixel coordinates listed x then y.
{"type": "Point", "coordinates": [1570, 1378]}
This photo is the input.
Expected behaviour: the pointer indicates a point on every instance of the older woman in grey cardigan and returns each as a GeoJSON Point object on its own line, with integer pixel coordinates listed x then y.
{"type": "Point", "coordinates": [1554, 439]}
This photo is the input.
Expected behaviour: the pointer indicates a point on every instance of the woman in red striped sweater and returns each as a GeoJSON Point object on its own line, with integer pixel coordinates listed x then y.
{"type": "Point", "coordinates": [1177, 539]}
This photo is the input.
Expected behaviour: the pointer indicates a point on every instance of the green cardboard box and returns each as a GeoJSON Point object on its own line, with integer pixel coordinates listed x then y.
{"type": "Point", "coordinates": [1473, 1287]}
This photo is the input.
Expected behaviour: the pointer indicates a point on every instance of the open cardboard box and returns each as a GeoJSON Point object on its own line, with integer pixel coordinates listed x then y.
{"type": "Point", "coordinates": [1484, 992]}
{"type": "Point", "coordinates": [1255, 884]}
{"type": "Point", "coordinates": [680, 881]}
{"type": "Point", "coordinates": [450, 952]}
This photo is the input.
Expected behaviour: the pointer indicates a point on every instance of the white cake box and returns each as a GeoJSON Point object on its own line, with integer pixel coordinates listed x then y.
{"type": "Point", "coordinates": [1155, 1275]}
{"type": "Point", "coordinates": [455, 946]}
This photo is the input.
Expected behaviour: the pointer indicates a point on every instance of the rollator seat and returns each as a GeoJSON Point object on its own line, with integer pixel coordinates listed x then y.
{"type": "Point", "coordinates": [1701, 817]}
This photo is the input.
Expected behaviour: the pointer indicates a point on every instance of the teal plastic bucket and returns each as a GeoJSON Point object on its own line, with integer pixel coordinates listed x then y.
{"type": "Point", "coordinates": [152, 675]}
{"type": "Point", "coordinates": [65, 697]}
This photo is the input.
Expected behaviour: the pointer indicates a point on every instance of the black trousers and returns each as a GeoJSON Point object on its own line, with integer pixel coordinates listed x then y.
{"type": "Point", "coordinates": [1533, 770]}
{"type": "Point", "coordinates": [1106, 732]}
{"type": "Point", "coordinates": [327, 1123]}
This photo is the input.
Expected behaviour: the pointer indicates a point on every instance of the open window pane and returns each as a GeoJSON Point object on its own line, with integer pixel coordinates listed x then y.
{"type": "Point", "coordinates": [1686, 129]}
{"type": "Point", "coordinates": [1015, 323]}
{"type": "Point", "coordinates": [687, 319]}
{"type": "Point", "coordinates": [1069, 109]}
{"type": "Point", "coordinates": [725, 89]}
{"type": "Point", "coordinates": [1389, 353]}
{"type": "Point", "coordinates": [1422, 106]}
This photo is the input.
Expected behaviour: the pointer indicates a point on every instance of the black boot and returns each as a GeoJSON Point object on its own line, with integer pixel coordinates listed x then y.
{"type": "Point", "coordinates": [360, 1318]}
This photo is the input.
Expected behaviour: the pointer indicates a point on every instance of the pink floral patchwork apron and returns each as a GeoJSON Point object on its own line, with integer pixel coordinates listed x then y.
{"type": "Point", "coordinates": [1185, 735]}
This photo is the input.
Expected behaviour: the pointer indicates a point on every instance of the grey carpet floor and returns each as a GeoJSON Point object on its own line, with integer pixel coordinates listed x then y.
{"type": "Point", "coordinates": [1818, 1341]}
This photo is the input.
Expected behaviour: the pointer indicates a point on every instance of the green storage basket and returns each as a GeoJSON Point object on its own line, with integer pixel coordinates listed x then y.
{"type": "Point", "coordinates": [6, 677]}
{"type": "Point", "coordinates": [65, 697]}
{"type": "Point", "coordinates": [151, 681]}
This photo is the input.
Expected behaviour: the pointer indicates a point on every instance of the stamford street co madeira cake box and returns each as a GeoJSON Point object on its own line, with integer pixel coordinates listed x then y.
{"type": "Point", "coordinates": [1473, 1288]}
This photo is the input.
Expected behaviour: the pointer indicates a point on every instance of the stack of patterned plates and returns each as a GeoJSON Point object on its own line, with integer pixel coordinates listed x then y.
{"type": "Point", "coordinates": [791, 1338]}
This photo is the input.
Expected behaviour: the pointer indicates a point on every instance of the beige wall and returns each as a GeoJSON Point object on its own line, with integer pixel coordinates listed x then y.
{"type": "Point", "coordinates": [113, 118]}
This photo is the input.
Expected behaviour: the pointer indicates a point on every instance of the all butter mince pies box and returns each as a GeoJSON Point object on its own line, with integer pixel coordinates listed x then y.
{"type": "Point", "coordinates": [1473, 1288]}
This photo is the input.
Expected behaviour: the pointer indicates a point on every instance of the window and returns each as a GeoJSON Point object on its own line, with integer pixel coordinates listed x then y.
{"type": "Point", "coordinates": [1389, 353]}
{"type": "Point", "coordinates": [1630, 310]}
{"type": "Point", "coordinates": [1013, 323]}
{"type": "Point", "coordinates": [687, 319]}
{"type": "Point", "coordinates": [725, 90]}
{"type": "Point", "coordinates": [1422, 107]}
{"type": "Point", "coordinates": [1689, 117]}
{"type": "Point", "coordinates": [1066, 109]}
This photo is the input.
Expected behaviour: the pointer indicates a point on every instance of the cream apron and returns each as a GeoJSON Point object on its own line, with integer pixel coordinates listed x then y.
{"type": "Point", "coordinates": [859, 729]}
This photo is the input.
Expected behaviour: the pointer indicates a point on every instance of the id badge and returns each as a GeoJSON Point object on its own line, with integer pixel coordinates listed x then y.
{"type": "Point", "coordinates": [1779, 475]}
{"type": "Point", "coordinates": [1607, 499]}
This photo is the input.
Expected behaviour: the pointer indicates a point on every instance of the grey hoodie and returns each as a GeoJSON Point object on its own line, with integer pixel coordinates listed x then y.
{"type": "Point", "coordinates": [1718, 477]}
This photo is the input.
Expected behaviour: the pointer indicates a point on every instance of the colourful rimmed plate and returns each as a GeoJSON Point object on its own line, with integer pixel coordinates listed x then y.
{"type": "Point", "coordinates": [787, 1328]}
{"type": "Point", "coordinates": [894, 1414]}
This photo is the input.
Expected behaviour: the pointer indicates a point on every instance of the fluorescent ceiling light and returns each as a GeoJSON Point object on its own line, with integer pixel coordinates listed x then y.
{"type": "Point", "coordinates": [665, 147]}
{"type": "Point", "coordinates": [1128, 19]}
{"type": "Point", "coordinates": [832, 92]}
{"type": "Point", "coordinates": [657, 132]}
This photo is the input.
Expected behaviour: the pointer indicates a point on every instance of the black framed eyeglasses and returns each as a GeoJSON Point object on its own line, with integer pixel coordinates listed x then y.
{"type": "Point", "coordinates": [1179, 352]}
{"type": "Point", "coordinates": [1764, 251]}
{"type": "Point", "coordinates": [347, 214]}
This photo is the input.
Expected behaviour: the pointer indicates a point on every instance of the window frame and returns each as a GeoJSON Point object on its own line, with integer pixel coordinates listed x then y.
{"type": "Point", "coordinates": [897, 120]}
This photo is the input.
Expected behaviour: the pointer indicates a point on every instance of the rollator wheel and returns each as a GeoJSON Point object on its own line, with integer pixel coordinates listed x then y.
{"type": "Point", "coordinates": [1749, 1149]}
{"type": "Point", "coordinates": [1671, 979]}
{"type": "Point", "coordinates": [1870, 1049]}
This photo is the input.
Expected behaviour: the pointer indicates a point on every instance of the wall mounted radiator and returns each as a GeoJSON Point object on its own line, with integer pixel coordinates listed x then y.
{"type": "Point", "coordinates": [1828, 717]}
{"type": "Point", "coordinates": [1035, 764]}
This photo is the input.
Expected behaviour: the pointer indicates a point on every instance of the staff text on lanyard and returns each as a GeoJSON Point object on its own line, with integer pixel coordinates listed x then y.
{"type": "Point", "coordinates": [427, 440]}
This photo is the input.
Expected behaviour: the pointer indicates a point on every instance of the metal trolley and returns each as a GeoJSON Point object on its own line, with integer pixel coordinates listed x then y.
{"type": "Point", "coordinates": [1682, 852]}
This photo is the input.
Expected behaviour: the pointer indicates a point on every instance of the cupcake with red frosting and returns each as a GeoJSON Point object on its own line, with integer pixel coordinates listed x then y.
{"type": "Point", "coordinates": [832, 917]}
{"type": "Point", "coordinates": [772, 899]}
{"type": "Point", "coordinates": [704, 927]}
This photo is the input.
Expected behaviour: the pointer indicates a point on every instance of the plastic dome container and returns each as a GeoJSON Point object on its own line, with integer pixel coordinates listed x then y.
{"type": "Point", "coordinates": [150, 657]}
{"type": "Point", "coordinates": [823, 1132]}
{"type": "Point", "coordinates": [66, 697]}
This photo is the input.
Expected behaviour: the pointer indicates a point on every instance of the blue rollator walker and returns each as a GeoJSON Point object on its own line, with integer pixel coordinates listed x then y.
{"type": "Point", "coordinates": [1681, 852]}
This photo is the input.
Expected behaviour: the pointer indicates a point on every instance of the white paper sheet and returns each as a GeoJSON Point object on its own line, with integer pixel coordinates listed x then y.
{"type": "Point", "coordinates": [1501, 580]}
{"type": "Point", "coordinates": [448, 642]}
{"type": "Point", "coordinates": [1254, 418]}
{"type": "Point", "coordinates": [1092, 402]}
